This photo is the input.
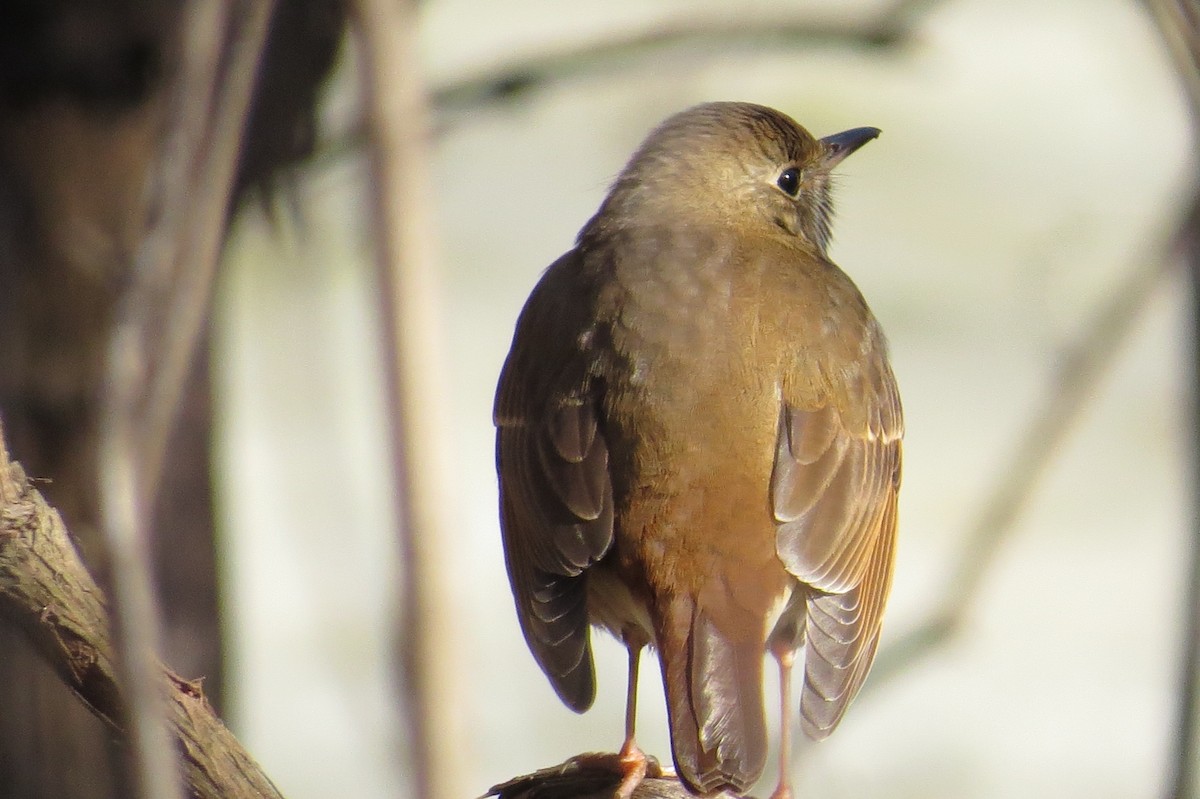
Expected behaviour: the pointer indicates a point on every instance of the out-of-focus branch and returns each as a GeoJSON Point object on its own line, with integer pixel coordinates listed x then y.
{"type": "Point", "coordinates": [1179, 23]}
{"type": "Point", "coordinates": [167, 303]}
{"type": "Point", "coordinates": [403, 230]}
{"type": "Point", "coordinates": [886, 27]}
{"type": "Point", "coordinates": [1080, 370]}
{"type": "Point", "coordinates": [511, 78]}
{"type": "Point", "coordinates": [46, 591]}
{"type": "Point", "coordinates": [158, 323]}
{"type": "Point", "coordinates": [1184, 769]}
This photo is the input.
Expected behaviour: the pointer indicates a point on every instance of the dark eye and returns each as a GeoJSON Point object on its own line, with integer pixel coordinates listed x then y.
{"type": "Point", "coordinates": [789, 181]}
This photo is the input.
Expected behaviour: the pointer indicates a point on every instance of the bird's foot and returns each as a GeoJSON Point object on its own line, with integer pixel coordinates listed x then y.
{"type": "Point", "coordinates": [634, 764]}
{"type": "Point", "coordinates": [631, 764]}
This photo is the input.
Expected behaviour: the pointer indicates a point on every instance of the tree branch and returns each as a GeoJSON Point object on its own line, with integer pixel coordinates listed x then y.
{"type": "Point", "coordinates": [158, 323]}
{"type": "Point", "coordinates": [576, 779]}
{"type": "Point", "coordinates": [46, 591]}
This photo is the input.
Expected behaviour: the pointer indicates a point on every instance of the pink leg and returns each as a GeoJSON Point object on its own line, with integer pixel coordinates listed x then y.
{"type": "Point", "coordinates": [631, 758]}
{"type": "Point", "coordinates": [631, 763]}
{"type": "Point", "coordinates": [786, 658]}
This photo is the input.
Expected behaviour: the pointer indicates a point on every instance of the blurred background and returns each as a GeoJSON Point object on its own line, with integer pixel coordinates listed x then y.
{"type": "Point", "coordinates": [1036, 157]}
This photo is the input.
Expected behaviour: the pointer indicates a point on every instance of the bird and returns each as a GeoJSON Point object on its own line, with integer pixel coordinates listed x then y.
{"type": "Point", "coordinates": [698, 444]}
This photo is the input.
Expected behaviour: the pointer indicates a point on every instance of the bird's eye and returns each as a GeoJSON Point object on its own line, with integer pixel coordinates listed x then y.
{"type": "Point", "coordinates": [789, 181]}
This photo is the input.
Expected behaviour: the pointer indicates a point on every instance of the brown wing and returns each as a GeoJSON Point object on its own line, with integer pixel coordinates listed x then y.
{"type": "Point", "coordinates": [834, 485]}
{"type": "Point", "coordinates": [555, 493]}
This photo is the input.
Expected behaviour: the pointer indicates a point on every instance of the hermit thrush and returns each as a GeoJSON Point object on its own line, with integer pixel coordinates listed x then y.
{"type": "Point", "coordinates": [699, 442]}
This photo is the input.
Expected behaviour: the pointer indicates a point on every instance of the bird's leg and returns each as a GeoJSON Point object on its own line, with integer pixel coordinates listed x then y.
{"type": "Point", "coordinates": [786, 658]}
{"type": "Point", "coordinates": [631, 758]}
{"type": "Point", "coordinates": [631, 764]}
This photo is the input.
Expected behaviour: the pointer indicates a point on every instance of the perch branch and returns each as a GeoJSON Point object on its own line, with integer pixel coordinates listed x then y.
{"type": "Point", "coordinates": [573, 779]}
{"type": "Point", "coordinates": [46, 591]}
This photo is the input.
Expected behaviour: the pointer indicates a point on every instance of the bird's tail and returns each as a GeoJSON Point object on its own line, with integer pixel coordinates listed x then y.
{"type": "Point", "coordinates": [713, 682]}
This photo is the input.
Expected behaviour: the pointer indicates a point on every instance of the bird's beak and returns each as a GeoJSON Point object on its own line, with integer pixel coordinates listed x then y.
{"type": "Point", "coordinates": [840, 145]}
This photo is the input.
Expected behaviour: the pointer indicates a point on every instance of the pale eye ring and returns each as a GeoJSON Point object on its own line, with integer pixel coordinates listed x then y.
{"type": "Point", "coordinates": [789, 182]}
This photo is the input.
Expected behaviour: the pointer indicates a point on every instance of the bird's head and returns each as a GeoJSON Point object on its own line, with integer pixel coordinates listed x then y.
{"type": "Point", "coordinates": [735, 164]}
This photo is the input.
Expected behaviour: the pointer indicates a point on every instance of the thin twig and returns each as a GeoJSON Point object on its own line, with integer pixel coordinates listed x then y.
{"type": "Point", "coordinates": [403, 228]}
{"type": "Point", "coordinates": [1080, 370]}
{"type": "Point", "coordinates": [158, 322]}
{"type": "Point", "coordinates": [123, 510]}
{"type": "Point", "coordinates": [174, 272]}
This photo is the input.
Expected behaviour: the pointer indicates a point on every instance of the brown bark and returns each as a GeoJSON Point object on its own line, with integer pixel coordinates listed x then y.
{"type": "Point", "coordinates": [66, 174]}
{"type": "Point", "coordinates": [83, 113]}
{"type": "Point", "coordinates": [48, 594]}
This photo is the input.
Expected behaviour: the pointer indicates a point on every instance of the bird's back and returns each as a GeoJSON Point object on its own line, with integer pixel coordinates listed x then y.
{"type": "Point", "coordinates": [692, 406]}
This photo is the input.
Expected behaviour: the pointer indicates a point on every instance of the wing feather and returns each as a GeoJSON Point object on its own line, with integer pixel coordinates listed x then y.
{"type": "Point", "coordinates": [833, 492]}
{"type": "Point", "coordinates": [555, 490]}
{"type": "Point", "coordinates": [842, 637]}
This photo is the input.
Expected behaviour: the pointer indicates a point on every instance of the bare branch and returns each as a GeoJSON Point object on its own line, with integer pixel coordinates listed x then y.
{"type": "Point", "coordinates": [574, 779]}
{"type": "Point", "coordinates": [165, 308]}
{"type": "Point", "coordinates": [154, 337]}
{"type": "Point", "coordinates": [403, 228]}
{"type": "Point", "coordinates": [46, 591]}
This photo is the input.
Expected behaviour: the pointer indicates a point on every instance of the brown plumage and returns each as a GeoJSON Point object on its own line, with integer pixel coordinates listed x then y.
{"type": "Point", "coordinates": [699, 437]}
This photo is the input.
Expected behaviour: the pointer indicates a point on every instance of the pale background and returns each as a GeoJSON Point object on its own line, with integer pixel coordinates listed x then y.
{"type": "Point", "coordinates": [1033, 153]}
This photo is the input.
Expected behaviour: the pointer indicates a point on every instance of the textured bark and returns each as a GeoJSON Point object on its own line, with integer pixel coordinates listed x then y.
{"type": "Point", "coordinates": [56, 299]}
{"type": "Point", "coordinates": [84, 86]}
{"type": "Point", "coordinates": [48, 594]}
